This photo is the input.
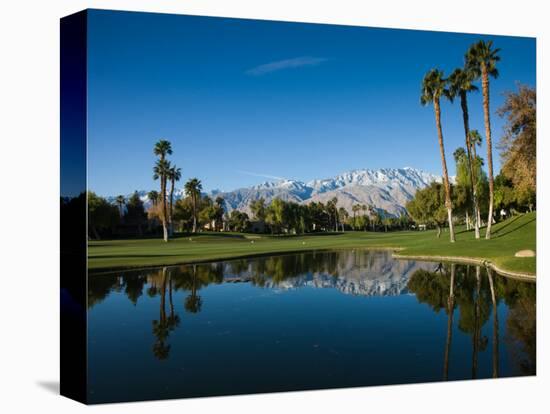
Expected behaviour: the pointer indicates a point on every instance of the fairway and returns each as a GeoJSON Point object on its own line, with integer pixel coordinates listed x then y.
{"type": "Point", "coordinates": [516, 233]}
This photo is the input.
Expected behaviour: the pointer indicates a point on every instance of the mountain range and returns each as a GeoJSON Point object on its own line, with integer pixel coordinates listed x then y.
{"type": "Point", "coordinates": [387, 189]}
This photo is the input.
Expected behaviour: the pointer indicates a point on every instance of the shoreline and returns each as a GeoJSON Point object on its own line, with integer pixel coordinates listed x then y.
{"type": "Point", "coordinates": [470, 260]}
{"type": "Point", "coordinates": [431, 258]}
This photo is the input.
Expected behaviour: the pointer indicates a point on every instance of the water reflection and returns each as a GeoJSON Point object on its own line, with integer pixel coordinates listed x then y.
{"type": "Point", "coordinates": [453, 288]}
{"type": "Point", "coordinates": [472, 298]}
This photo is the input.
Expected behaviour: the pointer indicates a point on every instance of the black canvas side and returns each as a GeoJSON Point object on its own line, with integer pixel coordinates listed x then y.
{"type": "Point", "coordinates": [73, 208]}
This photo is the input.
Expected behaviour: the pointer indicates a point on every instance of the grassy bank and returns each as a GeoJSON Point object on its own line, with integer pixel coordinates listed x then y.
{"type": "Point", "coordinates": [514, 234]}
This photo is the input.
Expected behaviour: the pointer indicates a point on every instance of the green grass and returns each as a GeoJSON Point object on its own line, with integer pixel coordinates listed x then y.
{"type": "Point", "coordinates": [514, 234]}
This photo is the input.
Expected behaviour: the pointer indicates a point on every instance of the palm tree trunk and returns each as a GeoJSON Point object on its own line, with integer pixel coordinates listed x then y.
{"type": "Point", "coordinates": [171, 207]}
{"type": "Point", "coordinates": [163, 200]}
{"type": "Point", "coordinates": [194, 213]}
{"type": "Point", "coordinates": [486, 114]}
{"type": "Point", "coordinates": [466, 119]}
{"type": "Point", "coordinates": [448, 203]}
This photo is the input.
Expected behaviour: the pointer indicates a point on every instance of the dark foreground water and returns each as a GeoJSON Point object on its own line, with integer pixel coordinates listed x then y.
{"type": "Point", "coordinates": [303, 321]}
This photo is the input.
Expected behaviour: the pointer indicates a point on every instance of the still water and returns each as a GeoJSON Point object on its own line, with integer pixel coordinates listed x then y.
{"type": "Point", "coordinates": [303, 321]}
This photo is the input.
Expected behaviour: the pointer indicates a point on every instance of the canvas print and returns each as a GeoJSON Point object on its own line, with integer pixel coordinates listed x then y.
{"type": "Point", "coordinates": [258, 206]}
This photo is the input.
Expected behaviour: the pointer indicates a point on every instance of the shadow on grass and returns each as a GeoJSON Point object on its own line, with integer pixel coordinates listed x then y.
{"type": "Point", "coordinates": [498, 233]}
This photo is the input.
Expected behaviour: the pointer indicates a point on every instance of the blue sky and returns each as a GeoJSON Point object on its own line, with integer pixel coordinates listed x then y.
{"type": "Point", "coordinates": [245, 100]}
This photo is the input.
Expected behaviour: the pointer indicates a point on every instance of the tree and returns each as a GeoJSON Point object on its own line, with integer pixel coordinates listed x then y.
{"type": "Point", "coordinates": [482, 59]}
{"type": "Point", "coordinates": [174, 175]}
{"type": "Point", "coordinates": [258, 209]}
{"type": "Point", "coordinates": [153, 196]}
{"type": "Point", "coordinates": [161, 149]}
{"type": "Point", "coordinates": [193, 189]}
{"type": "Point", "coordinates": [365, 210]}
{"type": "Point", "coordinates": [460, 84]}
{"type": "Point", "coordinates": [428, 206]}
{"type": "Point", "coordinates": [219, 211]}
{"type": "Point", "coordinates": [102, 216]}
{"type": "Point", "coordinates": [433, 89]}
{"type": "Point", "coordinates": [183, 213]}
{"type": "Point", "coordinates": [355, 209]}
{"type": "Point", "coordinates": [343, 216]}
{"type": "Point", "coordinates": [238, 221]}
{"type": "Point", "coordinates": [332, 210]}
{"type": "Point", "coordinates": [463, 194]}
{"type": "Point", "coordinates": [135, 212]}
{"type": "Point", "coordinates": [518, 145]}
{"type": "Point", "coordinates": [275, 215]}
{"type": "Point", "coordinates": [160, 172]}
{"type": "Point", "coordinates": [120, 201]}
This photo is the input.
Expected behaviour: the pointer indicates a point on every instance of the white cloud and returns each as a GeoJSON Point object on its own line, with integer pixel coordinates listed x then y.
{"type": "Point", "coordinates": [285, 64]}
{"type": "Point", "coordinates": [273, 177]}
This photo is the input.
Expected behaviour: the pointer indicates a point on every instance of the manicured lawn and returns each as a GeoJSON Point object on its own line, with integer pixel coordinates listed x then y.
{"type": "Point", "coordinates": [514, 234]}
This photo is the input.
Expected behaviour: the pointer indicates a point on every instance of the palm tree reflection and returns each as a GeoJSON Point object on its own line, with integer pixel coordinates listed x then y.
{"type": "Point", "coordinates": [450, 313]}
{"type": "Point", "coordinates": [448, 288]}
{"type": "Point", "coordinates": [166, 323]}
{"type": "Point", "coordinates": [495, 323]}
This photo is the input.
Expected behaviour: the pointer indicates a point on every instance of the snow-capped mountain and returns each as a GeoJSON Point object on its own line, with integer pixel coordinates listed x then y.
{"type": "Point", "coordinates": [386, 189]}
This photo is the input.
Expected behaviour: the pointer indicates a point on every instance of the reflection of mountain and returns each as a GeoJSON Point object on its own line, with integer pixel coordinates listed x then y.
{"type": "Point", "coordinates": [352, 272]}
{"type": "Point", "coordinates": [469, 291]}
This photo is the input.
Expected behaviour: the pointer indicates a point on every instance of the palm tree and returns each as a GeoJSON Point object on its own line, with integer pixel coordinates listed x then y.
{"type": "Point", "coordinates": [482, 60]}
{"type": "Point", "coordinates": [120, 201]}
{"type": "Point", "coordinates": [193, 189]}
{"type": "Point", "coordinates": [173, 175]}
{"type": "Point", "coordinates": [460, 83]}
{"type": "Point", "coordinates": [162, 149]}
{"type": "Point", "coordinates": [434, 88]}
{"type": "Point", "coordinates": [365, 209]}
{"type": "Point", "coordinates": [160, 172]}
{"type": "Point", "coordinates": [475, 141]}
{"type": "Point", "coordinates": [355, 208]}
{"type": "Point", "coordinates": [153, 196]}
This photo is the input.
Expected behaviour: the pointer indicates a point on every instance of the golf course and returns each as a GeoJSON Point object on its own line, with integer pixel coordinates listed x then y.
{"type": "Point", "coordinates": [509, 236]}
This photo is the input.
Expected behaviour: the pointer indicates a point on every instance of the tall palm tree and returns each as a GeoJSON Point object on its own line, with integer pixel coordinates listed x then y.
{"type": "Point", "coordinates": [120, 201]}
{"type": "Point", "coordinates": [193, 189]}
{"type": "Point", "coordinates": [482, 60]}
{"type": "Point", "coordinates": [174, 175]}
{"type": "Point", "coordinates": [475, 141]}
{"type": "Point", "coordinates": [153, 196]}
{"type": "Point", "coordinates": [460, 84]}
{"type": "Point", "coordinates": [434, 87]}
{"type": "Point", "coordinates": [365, 209]}
{"type": "Point", "coordinates": [162, 149]}
{"type": "Point", "coordinates": [355, 208]}
{"type": "Point", "coordinates": [160, 172]}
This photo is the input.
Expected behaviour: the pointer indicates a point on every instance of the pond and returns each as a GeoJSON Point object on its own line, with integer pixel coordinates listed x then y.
{"type": "Point", "coordinates": [303, 321]}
